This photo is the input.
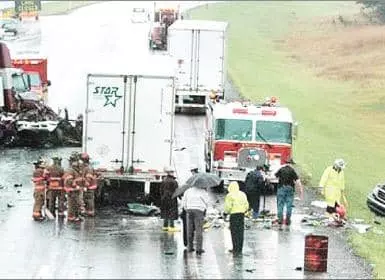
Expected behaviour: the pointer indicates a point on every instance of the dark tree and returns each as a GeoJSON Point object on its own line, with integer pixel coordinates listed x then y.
{"type": "Point", "coordinates": [376, 7]}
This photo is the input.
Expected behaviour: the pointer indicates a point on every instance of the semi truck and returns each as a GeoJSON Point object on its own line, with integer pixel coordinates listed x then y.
{"type": "Point", "coordinates": [37, 70]}
{"type": "Point", "coordinates": [199, 50]}
{"type": "Point", "coordinates": [128, 132]}
{"type": "Point", "coordinates": [242, 135]}
{"type": "Point", "coordinates": [163, 18]}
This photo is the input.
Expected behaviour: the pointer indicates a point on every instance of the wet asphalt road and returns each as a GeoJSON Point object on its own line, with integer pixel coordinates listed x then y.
{"type": "Point", "coordinates": [115, 244]}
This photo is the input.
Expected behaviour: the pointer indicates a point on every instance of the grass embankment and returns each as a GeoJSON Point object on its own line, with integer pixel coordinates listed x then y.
{"type": "Point", "coordinates": [330, 71]}
{"type": "Point", "coordinates": [56, 8]}
{"type": "Point", "coordinates": [63, 7]}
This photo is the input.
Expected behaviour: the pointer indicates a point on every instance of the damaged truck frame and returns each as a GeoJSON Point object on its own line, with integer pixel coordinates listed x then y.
{"type": "Point", "coordinates": [128, 132]}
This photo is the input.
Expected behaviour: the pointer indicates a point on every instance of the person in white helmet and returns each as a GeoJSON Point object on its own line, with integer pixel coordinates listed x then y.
{"type": "Point", "coordinates": [332, 186]}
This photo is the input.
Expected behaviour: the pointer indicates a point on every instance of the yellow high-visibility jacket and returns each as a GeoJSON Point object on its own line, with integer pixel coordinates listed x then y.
{"type": "Point", "coordinates": [332, 183]}
{"type": "Point", "coordinates": [235, 200]}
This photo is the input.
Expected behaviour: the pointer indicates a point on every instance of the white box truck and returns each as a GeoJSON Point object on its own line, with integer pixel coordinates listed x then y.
{"type": "Point", "coordinates": [128, 132]}
{"type": "Point", "coordinates": [199, 48]}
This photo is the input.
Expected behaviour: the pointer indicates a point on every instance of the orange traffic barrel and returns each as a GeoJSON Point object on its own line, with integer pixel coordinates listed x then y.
{"type": "Point", "coordinates": [316, 253]}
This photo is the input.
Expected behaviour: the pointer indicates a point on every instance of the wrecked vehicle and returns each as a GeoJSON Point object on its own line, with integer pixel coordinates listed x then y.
{"type": "Point", "coordinates": [376, 199]}
{"type": "Point", "coordinates": [24, 119]}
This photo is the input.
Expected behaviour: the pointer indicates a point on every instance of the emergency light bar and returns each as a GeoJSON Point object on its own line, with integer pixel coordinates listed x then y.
{"type": "Point", "coordinates": [269, 113]}
{"type": "Point", "coordinates": [26, 61]}
{"type": "Point", "coordinates": [240, 111]}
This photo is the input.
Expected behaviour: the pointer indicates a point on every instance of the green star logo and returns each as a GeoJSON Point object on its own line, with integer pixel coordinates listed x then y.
{"type": "Point", "coordinates": [111, 99]}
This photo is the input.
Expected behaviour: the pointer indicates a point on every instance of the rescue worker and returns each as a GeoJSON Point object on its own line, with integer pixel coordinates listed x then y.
{"type": "Point", "coordinates": [55, 191]}
{"type": "Point", "coordinates": [287, 181]}
{"type": "Point", "coordinates": [91, 186]}
{"type": "Point", "coordinates": [255, 184]}
{"type": "Point", "coordinates": [332, 186]}
{"type": "Point", "coordinates": [39, 190]}
{"type": "Point", "coordinates": [168, 205]}
{"type": "Point", "coordinates": [72, 181]}
{"type": "Point", "coordinates": [236, 205]}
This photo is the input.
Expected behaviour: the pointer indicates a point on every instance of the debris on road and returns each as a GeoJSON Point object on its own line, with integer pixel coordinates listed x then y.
{"type": "Point", "coordinates": [18, 185]}
{"type": "Point", "coordinates": [143, 210]}
{"type": "Point", "coordinates": [250, 270]}
{"type": "Point", "coordinates": [361, 228]}
{"type": "Point", "coordinates": [10, 205]}
{"type": "Point", "coordinates": [319, 203]}
{"type": "Point", "coordinates": [298, 268]}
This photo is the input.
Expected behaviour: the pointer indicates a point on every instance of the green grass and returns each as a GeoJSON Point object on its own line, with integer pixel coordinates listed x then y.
{"type": "Point", "coordinates": [55, 8]}
{"type": "Point", "coordinates": [331, 123]}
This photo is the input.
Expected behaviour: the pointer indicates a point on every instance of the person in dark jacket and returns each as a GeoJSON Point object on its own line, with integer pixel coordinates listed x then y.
{"type": "Point", "coordinates": [168, 205]}
{"type": "Point", "coordinates": [255, 183]}
{"type": "Point", "coordinates": [288, 180]}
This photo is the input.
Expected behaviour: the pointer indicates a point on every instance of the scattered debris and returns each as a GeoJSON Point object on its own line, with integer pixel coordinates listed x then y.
{"type": "Point", "coordinates": [18, 185]}
{"type": "Point", "coordinates": [169, 253]}
{"type": "Point", "coordinates": [319, 203]}
{"type": "Point", "coordinates": [10, 205]}
{"type": "Point", "coordinates": [361, 228]}
{"type": "Point", "coordinates": [250, 270]}
{"type": "Point", "coordinates": [298, 268]}
{"type": "Point", "coordinates": [377, 222]}
{"type": "Point", "coordinates": [18, 191]}
{"type": "Point", "coordinates": [143, 210]}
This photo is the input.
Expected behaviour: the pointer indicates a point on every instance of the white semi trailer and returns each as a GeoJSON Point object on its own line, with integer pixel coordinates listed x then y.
{"type": "Point", "coordinates": [199, 49]}
{"type": "Point", "coordinates": [128, 132]}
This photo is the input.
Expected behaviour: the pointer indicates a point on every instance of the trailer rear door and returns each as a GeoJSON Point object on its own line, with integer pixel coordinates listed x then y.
{"type": "Point", "coordinates": [152, 122]}
{"type": "Point", "coordinates": [181, 46]}
{"type": "Point", "coordinates": [106, 121]}
{"type": "Point", "coordinates": [210, 60]}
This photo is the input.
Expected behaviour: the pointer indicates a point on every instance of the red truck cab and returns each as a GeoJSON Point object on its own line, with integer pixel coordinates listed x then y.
{"type": "Point", "coordinates": [36, 69]}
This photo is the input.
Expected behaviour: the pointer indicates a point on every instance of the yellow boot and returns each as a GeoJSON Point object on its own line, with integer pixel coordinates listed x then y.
{"type": "Point", "coordinates": [173, 229]}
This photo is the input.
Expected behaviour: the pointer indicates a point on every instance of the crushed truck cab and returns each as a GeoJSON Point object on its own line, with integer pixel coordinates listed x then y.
{"type": "Point", "coordinates": [242, 135]}
{"type": "Point", "coordinates": [128, 132]}
{"type": "Point", "coordinates": [37, 70]}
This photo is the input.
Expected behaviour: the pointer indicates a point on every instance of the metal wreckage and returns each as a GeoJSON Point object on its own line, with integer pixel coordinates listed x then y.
{"type": "Point", "coordinates": [25, 120]}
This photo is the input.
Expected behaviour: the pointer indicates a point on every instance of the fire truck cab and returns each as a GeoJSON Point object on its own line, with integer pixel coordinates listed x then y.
{"type": "Point", "coordinates": [242, 135]}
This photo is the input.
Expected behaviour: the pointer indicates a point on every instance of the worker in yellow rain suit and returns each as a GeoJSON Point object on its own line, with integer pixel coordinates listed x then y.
{"type": "Point", "coordinates": [236, 205]}
{"type": "Point", "coordinates": [39, 190]}
{"type": "Point", "coordinates": [332, 186]}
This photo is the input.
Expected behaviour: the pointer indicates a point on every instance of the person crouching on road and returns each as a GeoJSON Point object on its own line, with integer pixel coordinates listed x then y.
{"type": "Point", "coordinates": [54, 176]}
{"type": "Point", "coordinates": [195, 201]}
{"type": "Point", "coordinates": [39, 190]}
{"type": "Point", "coordinates": [236, 205]}
{"type": "Point", "coordinates": [71, 186]}
{"type": "Point", "coordinates": [168, 205]}
{"type": "Point", "coordinates": [332, 186]}
{"type": "Point", "coordinates": [287, 181]}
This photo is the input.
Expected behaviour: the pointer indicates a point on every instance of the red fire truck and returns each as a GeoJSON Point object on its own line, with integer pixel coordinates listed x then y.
{"type": "Point", "coordinates": [36, 69]}
{"type": "Point", "coordinates": [242, 135]}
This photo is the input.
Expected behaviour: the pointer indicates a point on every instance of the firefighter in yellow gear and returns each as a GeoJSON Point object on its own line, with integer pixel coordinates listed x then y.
{"type": "Point", "coordinates": [72, 183]}
{"type": "Point", "coordinates": [55, 191]}
{"type": "Point", "coordinates": [91, 186]}
{"type": "Point", "coordinates": [39, 190]}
